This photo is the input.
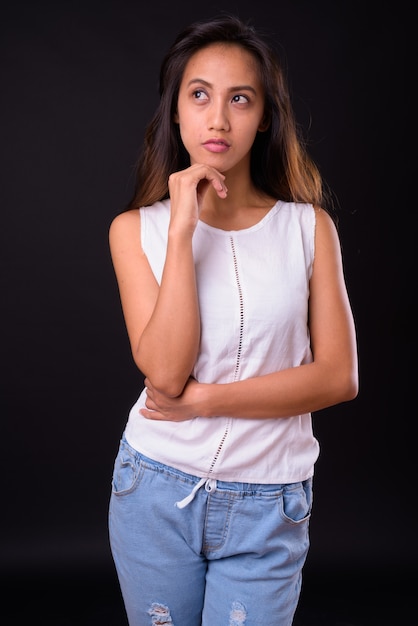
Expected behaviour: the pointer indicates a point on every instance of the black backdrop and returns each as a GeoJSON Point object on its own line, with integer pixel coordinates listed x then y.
{"type": "Point", "coordinates": [78, 84]}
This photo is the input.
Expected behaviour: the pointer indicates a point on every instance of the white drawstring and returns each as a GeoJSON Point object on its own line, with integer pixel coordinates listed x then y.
{"type": "Point", "coordinates": [210, 485]}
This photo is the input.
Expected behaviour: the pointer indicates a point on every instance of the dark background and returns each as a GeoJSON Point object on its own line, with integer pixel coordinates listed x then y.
{"type": "Point", "coordinates": [78, 84]}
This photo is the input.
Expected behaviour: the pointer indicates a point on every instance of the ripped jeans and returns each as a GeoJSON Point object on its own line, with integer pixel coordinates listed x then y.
{"type": "Point", "coordinates": [230, 554]}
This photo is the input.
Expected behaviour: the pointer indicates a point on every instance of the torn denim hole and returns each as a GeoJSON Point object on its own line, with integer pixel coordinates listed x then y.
{"type": "Point", "coordinates": [238, 614]}
{"type": "Point", "coordinates": [160, 614]}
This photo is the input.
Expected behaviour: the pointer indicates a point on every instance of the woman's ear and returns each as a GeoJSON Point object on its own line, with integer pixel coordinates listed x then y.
{"type": "Point", "coordinates": [265, 123]}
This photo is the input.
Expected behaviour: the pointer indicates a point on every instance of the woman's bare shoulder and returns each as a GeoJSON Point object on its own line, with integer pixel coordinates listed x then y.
{"type": "Point", "coordinates": [126, 219]}
{"type": "Point", "coordinates": [124, 225]}
{"type": "Point", "coordinates": [325, 224]}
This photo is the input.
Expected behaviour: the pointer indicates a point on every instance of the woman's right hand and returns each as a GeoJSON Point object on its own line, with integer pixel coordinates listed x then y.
{"type": "Point", "coordinates": [187, 190]}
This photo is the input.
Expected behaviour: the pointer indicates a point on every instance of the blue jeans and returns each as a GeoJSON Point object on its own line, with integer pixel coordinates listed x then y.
{"type": "Point", "coordinates": [232, 556]}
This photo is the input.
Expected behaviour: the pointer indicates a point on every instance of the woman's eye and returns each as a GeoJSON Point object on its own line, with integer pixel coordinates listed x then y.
{"type": "Point", "coordinates": [240, 98]}
{"type": "Point", "coordinates": [199, 95]}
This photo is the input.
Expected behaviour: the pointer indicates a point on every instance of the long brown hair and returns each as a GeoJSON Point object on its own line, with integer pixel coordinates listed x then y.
{"type": "Point", "coordinates": [280, 164]}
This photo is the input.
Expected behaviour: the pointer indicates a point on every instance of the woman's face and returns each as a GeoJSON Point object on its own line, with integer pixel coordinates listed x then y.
{"type": "Point", "coordinates": [220, 106]}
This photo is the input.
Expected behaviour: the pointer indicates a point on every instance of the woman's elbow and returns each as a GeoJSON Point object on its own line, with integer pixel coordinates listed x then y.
{"type": "Point", "coordinates": [163, 381]}
{"type": "Point", "coordinates": [348, 385]}
{"type": "Point", "coordinates": [170, 389]}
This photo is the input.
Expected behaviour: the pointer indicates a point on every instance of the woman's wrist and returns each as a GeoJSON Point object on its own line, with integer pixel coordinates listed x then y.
{"type": "Point", "coordinates": [208, 399]}
{"type": "Point", "coordinates": [203, 399]}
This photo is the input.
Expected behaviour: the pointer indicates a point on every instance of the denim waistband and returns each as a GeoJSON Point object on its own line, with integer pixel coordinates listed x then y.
{"type": "Point", "coordinates": [209, 482]}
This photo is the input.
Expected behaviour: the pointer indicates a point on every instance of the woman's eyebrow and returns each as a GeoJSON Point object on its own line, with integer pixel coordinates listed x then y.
{"type": "Point", "coordinates": [201, 81]}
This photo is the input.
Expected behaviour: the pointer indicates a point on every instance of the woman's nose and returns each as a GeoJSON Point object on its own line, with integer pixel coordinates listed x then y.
{"type": "Point", "coordinates": [218, 118]}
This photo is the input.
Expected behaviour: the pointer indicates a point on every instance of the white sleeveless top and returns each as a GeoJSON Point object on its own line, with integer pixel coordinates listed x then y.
{"type": "Point", "coordinates": [253, 288]}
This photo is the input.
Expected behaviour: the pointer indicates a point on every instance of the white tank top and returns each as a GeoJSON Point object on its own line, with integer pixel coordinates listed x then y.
{"type": "Point", "coordinates": [253, 288]}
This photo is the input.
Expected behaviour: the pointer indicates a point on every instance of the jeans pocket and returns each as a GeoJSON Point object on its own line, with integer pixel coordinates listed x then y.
{"type": "Point", "coordinates": [126, 470]}
{"type": "Point", "coordinates": [296, 502]}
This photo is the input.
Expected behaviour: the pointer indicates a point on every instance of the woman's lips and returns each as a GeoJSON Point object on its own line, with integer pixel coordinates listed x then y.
{"type": "Point", "coordinates": [216, 145]}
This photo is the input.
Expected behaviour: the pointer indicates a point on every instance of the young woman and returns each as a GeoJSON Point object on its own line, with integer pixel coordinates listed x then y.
{"type": "Point", "coordinates": [232, 288]}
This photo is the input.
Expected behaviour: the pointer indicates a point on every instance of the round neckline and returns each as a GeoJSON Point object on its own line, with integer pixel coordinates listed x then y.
{"type": "Point", "coordinates": [272, 211]}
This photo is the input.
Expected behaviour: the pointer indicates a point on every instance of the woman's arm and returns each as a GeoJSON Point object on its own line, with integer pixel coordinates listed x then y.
{"type": "Point", "coordinates": [331, 378]}
{"type": "Point", "coordinates": [163, 322]}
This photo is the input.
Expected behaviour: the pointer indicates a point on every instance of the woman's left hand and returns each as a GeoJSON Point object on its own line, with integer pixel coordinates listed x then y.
{"type": "Point", "coordinates": [164, 408]}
